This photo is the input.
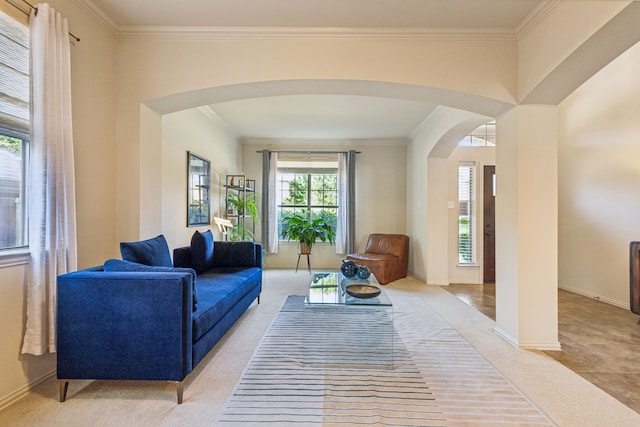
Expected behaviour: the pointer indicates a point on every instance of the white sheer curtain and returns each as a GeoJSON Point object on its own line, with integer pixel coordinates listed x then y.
{"type": "Point", "coordinates": [51, 190]}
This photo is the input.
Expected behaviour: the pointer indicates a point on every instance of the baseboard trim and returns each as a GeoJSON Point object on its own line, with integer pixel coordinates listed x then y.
{"type": "Point", "coordinates": [597, 297]}
{"type": "Point", "coordinates": [505, 336]}
{"type": "Point", "coordinates": [543, 346]}
{"type": "Point", "coordinates": [11, 398]}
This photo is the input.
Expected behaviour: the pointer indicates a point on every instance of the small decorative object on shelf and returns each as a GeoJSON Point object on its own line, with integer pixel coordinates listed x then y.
{"type": "Point", "coordinates": [349, 268]}
{"type": "Point", "coordinates": [363, 272]}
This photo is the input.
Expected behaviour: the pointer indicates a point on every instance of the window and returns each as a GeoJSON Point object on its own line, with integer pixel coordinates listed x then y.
{"type": "Point", "coordinates": [466, 213]}
{"type": "Point", "coordinates": [482, 136]}
{"type": "Point", "coordinates": [12, 191]}
{"type": "Point", "coordinates": [311, 187]}
{"type": "Point", "coordinates": [14, 130]}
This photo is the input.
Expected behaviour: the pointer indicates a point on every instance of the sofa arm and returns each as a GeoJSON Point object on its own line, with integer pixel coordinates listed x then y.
{"type": "Point", "coordinates": [124, 325]}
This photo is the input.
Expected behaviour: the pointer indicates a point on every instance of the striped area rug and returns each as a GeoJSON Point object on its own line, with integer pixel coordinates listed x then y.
{"type": "Point", "coordinates": [344, 367]}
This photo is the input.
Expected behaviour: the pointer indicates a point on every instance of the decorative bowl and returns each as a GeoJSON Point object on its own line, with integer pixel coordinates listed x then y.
{"type": "Point", "coordinates": [362, 291]}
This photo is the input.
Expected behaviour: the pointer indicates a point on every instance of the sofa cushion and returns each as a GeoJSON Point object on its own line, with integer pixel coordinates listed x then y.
{"type": "Point", "coordinates": [202, 251]}
{"type": "Point", "coordinates": [149, 252]}
{"type": "Point", "coordinates": [123, 265]}
{"type": "Point", "coordinates": [218, 291]}
{"type": "Point", "coordinates": [235, 254]}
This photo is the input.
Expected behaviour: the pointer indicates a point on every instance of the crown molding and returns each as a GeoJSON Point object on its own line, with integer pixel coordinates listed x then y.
{"type": "Point", "coordinates": [302, 144]}
{"type": "Point", "coordinates": [535, 18]}
{"type": "Point", "coordinates": [326, 33]}
{"type": "Point", "coordinates": [214, 117]}
{"type": "Point", "coordinates": [97, 14]}
{"type": "Point", "coordinates": [320, 33]}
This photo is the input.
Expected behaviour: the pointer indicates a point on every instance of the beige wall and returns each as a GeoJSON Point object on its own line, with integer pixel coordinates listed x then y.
{"type": "Point", "coordinates": [599, 176]}
{"type": "Point", "coordinates": [380, 194]}
{"type": "Point", "coordinates": [93, 92]}
{"type": "Point", "coordinates": [566, 26]}
{"type": "Point", "coordinates": [196, 131]}
{"type": "Point", "coordinates": [482, 156]}
{"type": "Point", "coordinates": [428, 191]}
{"type": "Point", "coordinates": [119, 139]}
{"type": "Point", "coordinates": [153, 71]}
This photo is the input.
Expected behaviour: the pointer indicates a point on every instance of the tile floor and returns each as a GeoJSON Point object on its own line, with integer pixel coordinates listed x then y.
{"type": "Point", "coordinates": [599, 341]}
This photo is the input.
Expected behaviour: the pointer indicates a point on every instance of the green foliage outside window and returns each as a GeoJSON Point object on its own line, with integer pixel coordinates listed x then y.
{"type": "Point", "coordinates": [316, 194]}
{"type": "Point", "coordinates": [8, 143]}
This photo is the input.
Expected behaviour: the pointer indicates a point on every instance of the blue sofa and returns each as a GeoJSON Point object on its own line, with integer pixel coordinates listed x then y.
{"type": "Point", "coordinates": [146, 318]}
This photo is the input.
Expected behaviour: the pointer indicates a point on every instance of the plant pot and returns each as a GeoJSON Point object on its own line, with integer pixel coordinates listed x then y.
{"type": "Point", "coordinates": [305, 249]}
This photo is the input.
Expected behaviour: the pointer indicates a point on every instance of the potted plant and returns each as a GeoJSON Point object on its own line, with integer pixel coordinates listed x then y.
{"type": "Point", "coordinates": [241, 206]}
{"type": "Point", "coordinates": [301, 227]}
{"type": "Point", "coordinates": [237, 203]}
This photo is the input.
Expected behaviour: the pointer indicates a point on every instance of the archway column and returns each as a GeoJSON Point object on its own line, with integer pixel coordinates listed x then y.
{"type": "Point", "coordinates": [527, 227]}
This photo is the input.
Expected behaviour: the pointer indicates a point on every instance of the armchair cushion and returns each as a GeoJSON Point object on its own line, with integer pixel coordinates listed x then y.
{"type": "Point", "coordinates": [149, 252]}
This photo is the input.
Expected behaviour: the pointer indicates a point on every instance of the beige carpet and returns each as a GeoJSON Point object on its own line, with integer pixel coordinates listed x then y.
{"type": "Point", "coordinates": [566, 398]}
{"type": "Point", "coordinates": [328, 367]}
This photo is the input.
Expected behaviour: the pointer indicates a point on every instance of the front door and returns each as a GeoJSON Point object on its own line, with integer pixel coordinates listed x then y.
{"type": "Point", "coordinates": [489, 230]}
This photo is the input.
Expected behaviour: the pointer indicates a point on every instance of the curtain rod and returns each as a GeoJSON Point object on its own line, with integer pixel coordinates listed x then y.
{"type": "Point", "coordinates": [306, 152]}
{"type": "Point", "coordinates": [26, 12]}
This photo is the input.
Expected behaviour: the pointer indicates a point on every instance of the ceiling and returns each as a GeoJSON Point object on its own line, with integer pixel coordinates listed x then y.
{"type": "Point", "coordinates": [321, 117]}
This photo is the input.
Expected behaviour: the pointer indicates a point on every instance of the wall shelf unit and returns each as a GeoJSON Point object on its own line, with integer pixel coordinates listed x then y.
{"type": "Point", "coordinates": [240, 207]}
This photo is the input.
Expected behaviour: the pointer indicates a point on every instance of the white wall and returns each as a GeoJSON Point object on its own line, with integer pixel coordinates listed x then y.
{"type": "Point", "coordinates": [599, 181]}
{"type": "Point", "coordinates": [380, 194]}
{"type": "Point", "coordinates": [93, 94]}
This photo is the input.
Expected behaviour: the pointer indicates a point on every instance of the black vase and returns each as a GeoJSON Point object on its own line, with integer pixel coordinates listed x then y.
{"type": "Point", "coordinates": [349, 268]}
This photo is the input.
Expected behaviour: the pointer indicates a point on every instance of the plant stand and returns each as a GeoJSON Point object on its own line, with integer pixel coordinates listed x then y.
{"type": "Point", "coordinates": [308, 261]}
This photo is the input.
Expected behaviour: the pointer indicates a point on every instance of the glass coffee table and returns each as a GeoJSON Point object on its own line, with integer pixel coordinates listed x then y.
{"type": "Point", "coordinates": [348, 323]}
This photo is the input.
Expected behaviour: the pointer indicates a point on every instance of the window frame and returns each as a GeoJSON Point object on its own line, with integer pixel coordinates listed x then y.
{"type": "Point", "coordinates": [19, 254]}
{"type": "Point", "coordinates": [309, 207]}
{"type": "Point", "coordinates": [14, 122]}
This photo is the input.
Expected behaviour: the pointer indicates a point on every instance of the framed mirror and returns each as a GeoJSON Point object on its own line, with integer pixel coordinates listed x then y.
{"type": "Point", "coordinates": [198, 190]}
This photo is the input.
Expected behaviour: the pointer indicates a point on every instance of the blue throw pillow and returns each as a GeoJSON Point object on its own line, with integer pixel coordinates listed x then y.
{"type": "Point", "coordinates": [149, 252]}
{"type": "Point", "coordinates": [202, 251]}
{"type": "Point", "coordinates": [123, 265]}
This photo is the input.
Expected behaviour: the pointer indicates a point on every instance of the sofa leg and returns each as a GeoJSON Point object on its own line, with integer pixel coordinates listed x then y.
{"type": "Point", "coordinates": [259, 303]}
{"type": "Point", "coordinates": [179, 391]}
{"type": "Point", "coordinates": [64, 386]}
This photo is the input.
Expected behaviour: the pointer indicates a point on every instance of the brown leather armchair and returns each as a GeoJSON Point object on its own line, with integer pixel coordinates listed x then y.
{"type": "Point", "coordinates": [386, 255]}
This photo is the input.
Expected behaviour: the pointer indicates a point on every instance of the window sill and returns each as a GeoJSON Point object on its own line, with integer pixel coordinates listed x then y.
{"type": "Point", "coordinates": [14, 257]}
{"type": "Point", "coordinates": [468, 265]}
